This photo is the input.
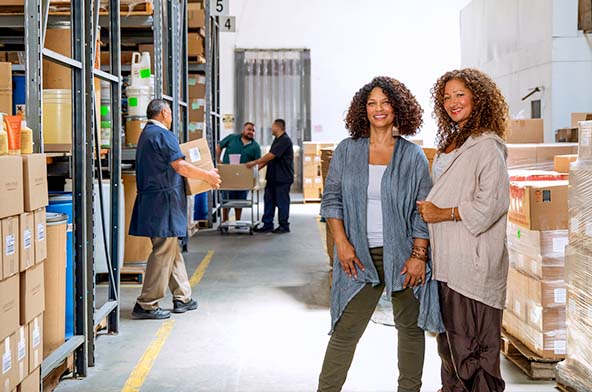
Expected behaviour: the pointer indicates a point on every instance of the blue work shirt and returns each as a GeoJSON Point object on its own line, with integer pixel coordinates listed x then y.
{"type": "Point", "coordinates": [160, 209]}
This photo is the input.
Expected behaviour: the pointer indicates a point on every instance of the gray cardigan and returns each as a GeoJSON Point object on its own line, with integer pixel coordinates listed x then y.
{"type": "Point", "coordinates": [471, 255]}
{"type": "Point", "coordinates": [406, 180]}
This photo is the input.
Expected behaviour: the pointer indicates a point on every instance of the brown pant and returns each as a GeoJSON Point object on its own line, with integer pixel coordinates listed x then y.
{"type": "Point", "coordinates": [165, 267]}
{"type": "Point", "coordinates": [353, 323]}
{"type": "Point", "coordinates": [470, 347]}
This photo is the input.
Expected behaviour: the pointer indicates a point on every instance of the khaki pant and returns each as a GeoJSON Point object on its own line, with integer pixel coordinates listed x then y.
{"type": "Point", "coordinates": [353, 322]}
{"type": "Point", "coordinates": [165, 267]}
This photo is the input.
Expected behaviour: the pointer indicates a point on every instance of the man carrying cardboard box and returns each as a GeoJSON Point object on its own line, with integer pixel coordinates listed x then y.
{"type": "Point", "coordinates": [160, 212]}
{"type": "Point", "coordinates": [242, 144]}
{"type": "Point", "coordinates": [280, 176]}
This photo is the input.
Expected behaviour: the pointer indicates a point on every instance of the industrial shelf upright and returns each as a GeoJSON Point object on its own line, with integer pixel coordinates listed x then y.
{"type": "Point", "coordinates": [83, 20]}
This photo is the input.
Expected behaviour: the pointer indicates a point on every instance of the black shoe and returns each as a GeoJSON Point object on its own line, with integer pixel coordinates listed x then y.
{"type": "Point", "coordinates": [154, 314]}
{"type": "Point", "coordinates": [182, 307]}
{"type": "Point", "coordinates": [263, 229]}
{"type": "Point", "coordinates": [281, 230]}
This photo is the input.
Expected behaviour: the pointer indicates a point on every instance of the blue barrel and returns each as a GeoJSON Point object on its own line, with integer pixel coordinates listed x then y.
{"type": "Point", "coordinates": [19, 94]}
{"type": "Point", "coordinates": [200, 209]}
{"type": "Point", "coordinates": [62, 202]}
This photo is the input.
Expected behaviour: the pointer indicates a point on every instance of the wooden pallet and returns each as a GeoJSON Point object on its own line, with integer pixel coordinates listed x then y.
{"type": "Point", "coordinates": [534, 366]}
{"type": "Point", "coordinates": [129, 273]}
{"type": "Point", "coordinates": [51, 381]}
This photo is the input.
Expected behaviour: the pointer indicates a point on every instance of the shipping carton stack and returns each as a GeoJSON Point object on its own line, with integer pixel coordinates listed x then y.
{"type": "Point", "coordinates": [197, 105]}
{"type": "Point", "coordinates": [574, 372]}
{"type": "Point", "coordinates": [312, 183]}
{"type": "Point", "coordinates": [23, 193]}
{"type": "Point", "coordinates": [537, 235]}
{"type": "Point", "coordinates": [196, 18]}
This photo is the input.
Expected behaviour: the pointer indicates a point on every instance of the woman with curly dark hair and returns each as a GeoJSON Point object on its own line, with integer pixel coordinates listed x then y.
{"type": "Point", "coordinates": [466, 214]}
{"type": "Point", "coordinates": [374, 181]}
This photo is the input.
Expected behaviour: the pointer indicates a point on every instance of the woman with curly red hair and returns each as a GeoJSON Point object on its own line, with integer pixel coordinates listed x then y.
{"type": "Point", "coordinates": [466, 214]}
{"type": "Point", "coordinates": [374, 181]}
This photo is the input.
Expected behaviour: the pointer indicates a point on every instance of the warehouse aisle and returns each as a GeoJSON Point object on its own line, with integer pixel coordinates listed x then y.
{"type": "Point", "coordinates": [261, 326]}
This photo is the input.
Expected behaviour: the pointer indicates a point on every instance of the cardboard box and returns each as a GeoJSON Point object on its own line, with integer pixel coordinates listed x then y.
{"type": "Point", "coordinates": [9, 306]}
{"type": "Point", "coordinates": [197, 110]}
{"type": "Point", "coordinates": [8, 370]}
{"type": "Point", "coordinates": [539, 205]}
{"type": "Point", "coordinates": [196, 16]}
{"type": "Point", "coordinates": [35, 181]}
{"type": "Point", "coordinates": [314, 148]}
{"type": "Point", "coordinates": [27, 240]}
{"type": "Point", "coordinates": [311, 170]}
{"type": "Point", "coordinates": [197, 86]}
{"type": "Point", "coordinates": [32, 383]}
{"type": "Point", "coordinates": [566, 135]}
{"type": "Point", "coordinates": [21, 346]}
{"type": "Point", "coordinates": [197, 153]}
{"type": "Point", "coordinates": [6, 101]}
{"type": "Point", "coordinates": [526, 131]}
{"type": "Point", "coordinates": [137, 249]}
{"type": "Point", "coordinates": [536, 175]}
{"type": "Point", "coordinates": [195, 45]}
{"type": "Point", "coordinates": [39, 233]}
{"type": "Point", "coordinates": [5, 76]}
{"type": "Point", "coordinates": [11, 186]}
{"type": "Point", "coordinates": [537, 156]}
{"type": "Point", "coordinates": [10, 246]}
{"type": "Point", "coordinates": [561, 162]}
{"type": "Point", "coordinates": [550, 345]}
{"type": "Point", "coordinates": [238, 177]}
{"type": "Point", "coordinates": [32, 293]}
{"type": "Point", "coordinates": [196, 130]}
{"type": "Point", "coordinates": [577, 117]}
{"type": "Point", "coordinates": [35, 328]}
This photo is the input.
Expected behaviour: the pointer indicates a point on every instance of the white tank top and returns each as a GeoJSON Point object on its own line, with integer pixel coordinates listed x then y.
{"type": "Point", "coordinates": [440, 163]}
{"type": "Point", "coordinates": [374, 207]}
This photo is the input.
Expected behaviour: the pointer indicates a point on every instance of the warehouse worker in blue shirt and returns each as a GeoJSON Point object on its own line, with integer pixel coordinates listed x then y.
{"type": "Point", "coordinates": [160, 212]}
{"type": "Point", "coordinates": [280, 176]}
{"type": "Point", "coordinates": [239, 143]}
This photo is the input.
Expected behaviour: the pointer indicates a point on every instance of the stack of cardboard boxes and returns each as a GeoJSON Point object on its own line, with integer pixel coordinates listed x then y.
{"type": "Point", "coordinates": [23, 192]}
{"type": "Point", "coordinates": [195, 38]}
{"type": "Point", "coordinates": [6, 88]}
{"type": "Point", "coordinates": [574, 372]}
{"type": "Point", "coordinates": [197, 105]}
{"type": "Point", "coordinates": [312, 183]}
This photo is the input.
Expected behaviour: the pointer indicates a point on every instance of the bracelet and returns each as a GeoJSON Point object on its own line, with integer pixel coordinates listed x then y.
{"type": "Point", "coordinates": [452, 214]}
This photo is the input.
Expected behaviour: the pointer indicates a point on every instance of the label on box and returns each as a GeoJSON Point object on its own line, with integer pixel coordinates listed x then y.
{"type": "Point", "coordinates": [194, 155]}
{"type": "Point", "coordinates": [28, 239]}
{"type": "Point", "coordinates": [22, 349]}
{"type": "Point", "coordinates": [69, 228]}
{"type": "Point", "coordinates": [534, 315]}
{"type": "Point", "coordinates": [517, 307]}
{"type": "Point", "coordinates": [318, 180]}
{"type": "Point", "coordinates": [6, 357]}
{"type": "Point", "coordinates": [559, 347]}
{"type": "Point", "coordinates": [534, 267]}
{"type": "Point", "coordinates": [589, 229]}
{"type": "Point", "coordinates": [559, 244]}
{"type": "Point", "coordinates": [195, 105]}
{"type": "Point", "coordinates": [10, 245]}
{"type": "Point", "coordinates": [40, 232]}
{"type": "Point", "coordinates": [36, 334]}
{"type": "Point", "coordinates": [571, 306]}
{"type": "Point", "coordinates": [560, 295]}
{"type": "Point", "coordinates": [585, 137]}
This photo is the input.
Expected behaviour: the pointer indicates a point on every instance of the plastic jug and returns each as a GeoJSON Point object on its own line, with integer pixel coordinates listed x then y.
{"type": "Point", "coordinates": [141, 69]}
{"type": "Point", "coordinates": [26, 139]}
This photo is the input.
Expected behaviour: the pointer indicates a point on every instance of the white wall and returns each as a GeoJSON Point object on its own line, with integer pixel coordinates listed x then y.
{"type": "Point", "coordinates": [350, 42]}
{"type": "Point", "coordinates": [524, 44]}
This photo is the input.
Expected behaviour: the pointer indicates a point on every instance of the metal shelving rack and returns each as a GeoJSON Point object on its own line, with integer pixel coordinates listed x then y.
{"type": "Point", "coordinates": [212, 112]}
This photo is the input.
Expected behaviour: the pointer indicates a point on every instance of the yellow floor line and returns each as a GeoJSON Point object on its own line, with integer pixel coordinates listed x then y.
{"type": "Point", "coordinates": [201, 269]}
{"type": "Point", "coordinates": [140, 372]}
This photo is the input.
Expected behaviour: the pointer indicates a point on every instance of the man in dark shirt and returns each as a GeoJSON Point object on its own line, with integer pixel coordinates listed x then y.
{"type": "Point", "coordinates": [280, 176]}
{"type": "Point", "coordinates": [160, 212]}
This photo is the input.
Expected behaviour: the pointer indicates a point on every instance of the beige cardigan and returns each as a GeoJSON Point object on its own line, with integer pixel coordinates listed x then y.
{"type": "Point", "coordinates": [471, 255]}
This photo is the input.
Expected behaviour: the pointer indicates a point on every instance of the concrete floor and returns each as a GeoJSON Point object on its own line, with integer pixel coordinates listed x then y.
{"type": "Point", "coordinates": [261, 325]}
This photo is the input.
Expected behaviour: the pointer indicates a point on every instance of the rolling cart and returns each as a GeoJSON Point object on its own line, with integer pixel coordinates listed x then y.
{"type": "Point", "coordinates": [251, 203]}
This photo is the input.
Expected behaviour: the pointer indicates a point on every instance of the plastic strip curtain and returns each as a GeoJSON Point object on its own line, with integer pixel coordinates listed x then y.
{"type": "Point", "coordinates": [269, 86]}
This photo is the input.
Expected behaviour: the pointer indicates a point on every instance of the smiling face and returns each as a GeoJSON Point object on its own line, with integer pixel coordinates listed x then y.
{"type": "Point", "coordinates": [249, 132]}
{"type": "Point", "coordinates": [458, 101]}
{"type": "Point", "coordinates": [379, 109]}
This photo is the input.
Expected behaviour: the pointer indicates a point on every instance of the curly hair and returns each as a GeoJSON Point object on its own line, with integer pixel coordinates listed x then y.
{"type": "Point", "coordinates": [490, 110]}
{"type": "Point", "coordinates": [408, 113]}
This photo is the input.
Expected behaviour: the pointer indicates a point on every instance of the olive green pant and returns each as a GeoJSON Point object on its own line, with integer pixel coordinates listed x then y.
{"type": "Point", "coordinates": [353, 322]}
